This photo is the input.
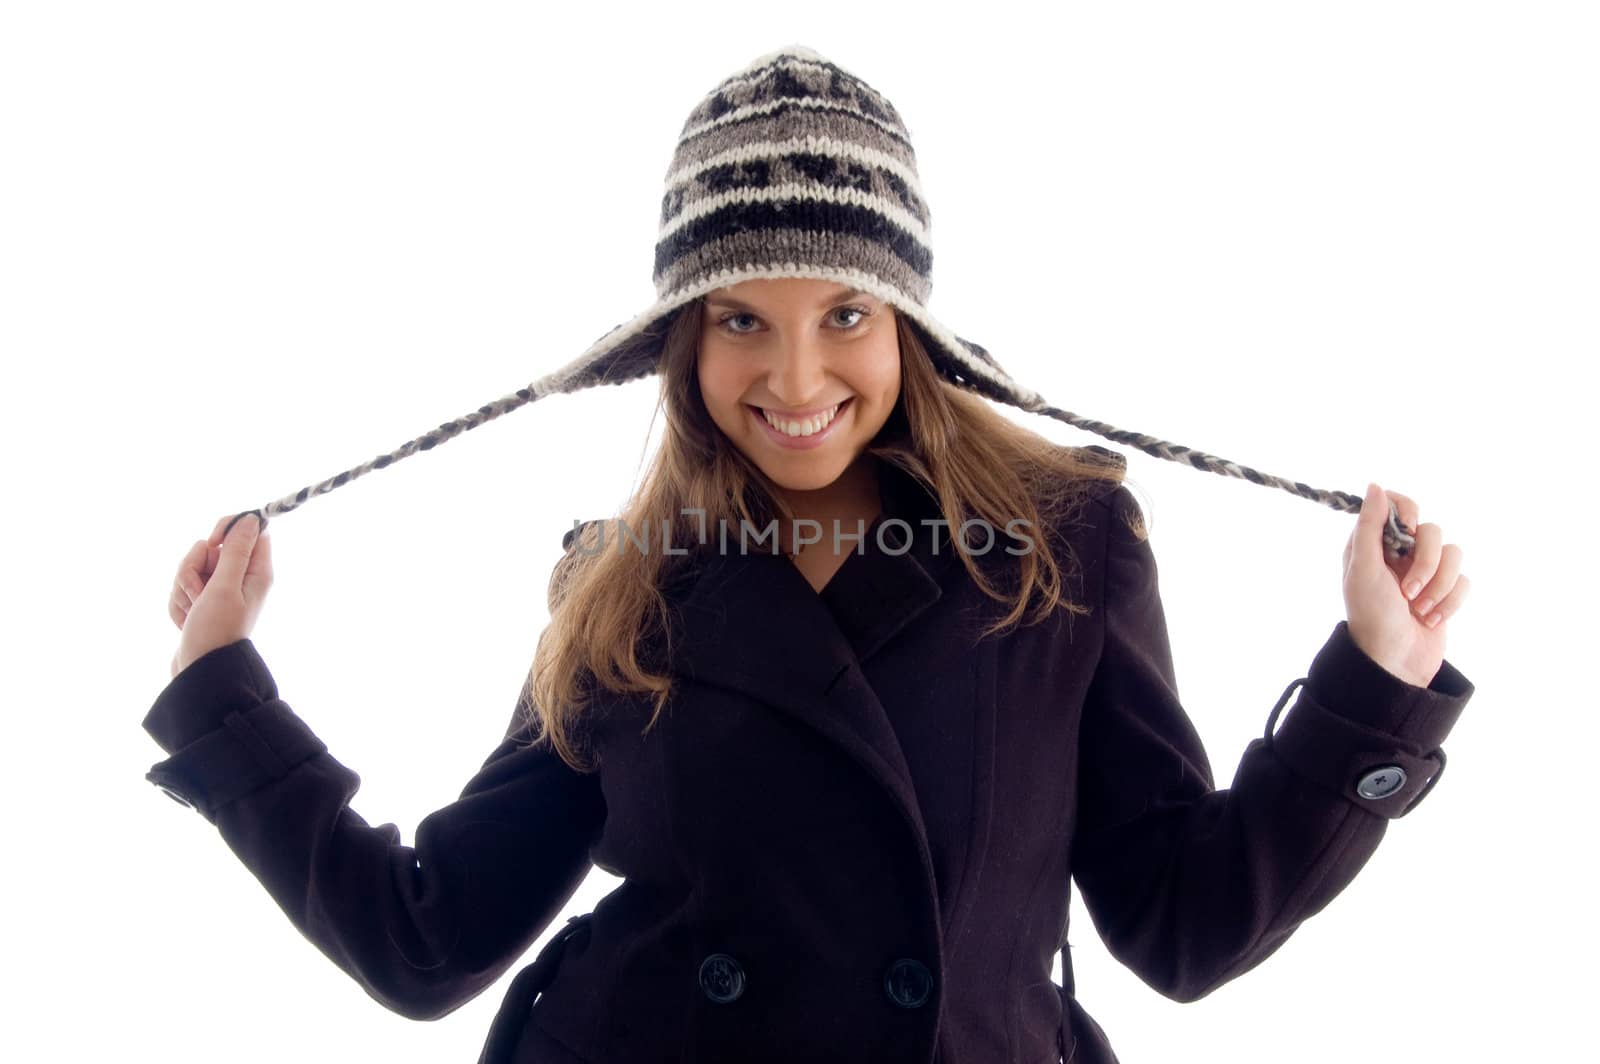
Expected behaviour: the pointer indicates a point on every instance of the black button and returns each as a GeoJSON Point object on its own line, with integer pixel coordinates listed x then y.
{"type": "Point", "coordinates": [908, 983]}
{"type": "Point", "coordinates": [721, 978]}
{"type": "Point", "coordinates": [1381, 782]}
{"type": "Point", "coordinates": [175, 796]}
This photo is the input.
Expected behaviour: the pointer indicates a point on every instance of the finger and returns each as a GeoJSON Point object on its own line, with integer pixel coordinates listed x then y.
{"type": "Point", "coordinates": [236, 549]}
{"type": "Point", "coordinates": [1443, 580]}
{"type": "Point", "coordinates": [189, 580]}
{"type": "Point", "coordinates": [191, 566]}
{"type": "Point", "coordinates": [258, 575]}
{"type": "Point", "coordinates": [1449, 604]}
{"type": "Point", "coordinates": [1423, 559]}
{"type": "Point", "coordinates": [260, 568]}
{"type": "Point", "coordinates": [1349, 549]}
{"type": "Point", "coordinates": [217, 530]}
{"type": "Point", "coordinates": [1370, 522]}
{"type": "Point", "coordinates": [177, 612]}
{"type": "Point", "coordinates": [1405, 508]}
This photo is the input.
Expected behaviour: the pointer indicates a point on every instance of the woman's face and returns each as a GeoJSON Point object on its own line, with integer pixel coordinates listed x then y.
{"type": "Point", "coordinates": [792, 350]}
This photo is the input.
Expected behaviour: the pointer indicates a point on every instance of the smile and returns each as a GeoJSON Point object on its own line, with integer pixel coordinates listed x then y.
{"type": "Point", "coordinates": [799, 432]}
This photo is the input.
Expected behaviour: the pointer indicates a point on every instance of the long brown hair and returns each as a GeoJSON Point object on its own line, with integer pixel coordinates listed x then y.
{"type": "Point", "coordinates": [608, 609]}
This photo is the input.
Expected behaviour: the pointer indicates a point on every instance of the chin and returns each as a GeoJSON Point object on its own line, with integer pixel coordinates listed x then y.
{"type": "Point", "coordinates": [808, 481]}
{"type": "Point", "coordinates": [803, 475]}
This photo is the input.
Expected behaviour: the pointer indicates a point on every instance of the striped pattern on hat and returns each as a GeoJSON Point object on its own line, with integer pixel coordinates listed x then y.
{"type": "Point", "coordinates": [795, 167]}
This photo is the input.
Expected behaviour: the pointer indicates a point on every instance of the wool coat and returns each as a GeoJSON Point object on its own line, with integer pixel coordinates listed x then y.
{"type": "Point", "coordinates": [853, 835]}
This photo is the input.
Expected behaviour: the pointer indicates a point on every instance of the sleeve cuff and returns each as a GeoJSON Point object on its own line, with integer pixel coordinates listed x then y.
{"type": "Point", "coordinates": [1345, 681]}
{"type": "Point", "coordinates": [252, 748]}
{"type": "Point", "coordinates": [229, 679]}
{"type": "Point", "coordinates": [1364, 733]}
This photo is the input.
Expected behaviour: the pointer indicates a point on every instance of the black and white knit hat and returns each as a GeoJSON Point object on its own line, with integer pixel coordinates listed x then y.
{"type": "Point", "coordinates": [794, 167]}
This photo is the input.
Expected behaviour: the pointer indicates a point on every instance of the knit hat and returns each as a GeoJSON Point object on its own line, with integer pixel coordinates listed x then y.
{"type": "Point", "coordinates": [795, 167]}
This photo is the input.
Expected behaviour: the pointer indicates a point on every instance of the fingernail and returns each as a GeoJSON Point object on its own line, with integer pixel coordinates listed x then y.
{"type": "Point", "coordinates": [251, 527]}
{"type": "Point", "coordinates": [1412, 588]}
{"type": "Point", "coordinates": [1424, 606]}
{"type": "Point", "coordinates": [1433, 622]}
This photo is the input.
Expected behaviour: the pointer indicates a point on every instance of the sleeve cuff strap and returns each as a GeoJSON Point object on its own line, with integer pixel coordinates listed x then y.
{"type": "Point", "coordinates": [249, 750]}
{"type": "Point", "coordinates": [1375, 771]}
{"type": "Point", "coordinates": [228, 679]}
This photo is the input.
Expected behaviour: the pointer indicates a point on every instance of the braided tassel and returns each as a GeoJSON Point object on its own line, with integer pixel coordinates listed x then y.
{"type": "Point", "coordinates": [1398, 540]}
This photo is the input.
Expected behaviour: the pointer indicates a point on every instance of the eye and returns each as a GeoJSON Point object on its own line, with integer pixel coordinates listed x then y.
{"type": "Point", "coordinates": [863, 311]}
{"type": "Point", "coordinates": [723, 322]}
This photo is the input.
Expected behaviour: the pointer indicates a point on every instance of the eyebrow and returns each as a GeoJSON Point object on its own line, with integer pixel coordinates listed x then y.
{"type": "Point", "coordinates": [836, 297]}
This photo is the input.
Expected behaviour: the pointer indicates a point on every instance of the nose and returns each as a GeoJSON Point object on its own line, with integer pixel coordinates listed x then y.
{"type": "Point", "coordinates": [799, 373]}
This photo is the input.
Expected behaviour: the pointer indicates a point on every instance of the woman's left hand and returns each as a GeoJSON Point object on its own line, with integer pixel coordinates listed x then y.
{"type": "Point", "coordinates": [1400, 628]}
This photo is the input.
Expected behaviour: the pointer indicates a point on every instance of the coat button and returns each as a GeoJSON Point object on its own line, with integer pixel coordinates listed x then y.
{"type": "Point", "coordinates": [1381, 782]}
{"type": "Point", "coordinates": [175, 796]}
{"type": "Point", "coordinates": [908, 983]}
{"type": "Point", "coordinates": [721, 978]}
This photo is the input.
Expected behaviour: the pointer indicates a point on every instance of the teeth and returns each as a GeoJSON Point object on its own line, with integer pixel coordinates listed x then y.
{"type": "Point", "coordinates": [806, 427]}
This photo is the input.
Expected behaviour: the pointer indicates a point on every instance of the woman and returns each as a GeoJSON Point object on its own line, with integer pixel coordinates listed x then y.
{"type": "Point", "coordinates": [862, 678]}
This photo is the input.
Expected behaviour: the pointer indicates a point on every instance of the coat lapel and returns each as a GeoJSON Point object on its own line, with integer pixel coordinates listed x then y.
{"type": "Point", "coordinates": [752, 623]}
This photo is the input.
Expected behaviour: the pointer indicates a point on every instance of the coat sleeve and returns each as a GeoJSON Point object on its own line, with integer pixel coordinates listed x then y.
{"type": "Point", "coordinates": [1191, 886]}
{"type": "Point", "coordinates": [422, 929]}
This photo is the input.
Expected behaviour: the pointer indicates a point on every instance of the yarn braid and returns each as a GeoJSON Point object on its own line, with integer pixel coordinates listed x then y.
{"type": "Point", "coordinates": [1398, 539]}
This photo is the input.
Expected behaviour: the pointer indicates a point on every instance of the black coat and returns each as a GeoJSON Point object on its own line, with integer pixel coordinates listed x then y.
{"type": "Point", "coordinates": [853, 836]}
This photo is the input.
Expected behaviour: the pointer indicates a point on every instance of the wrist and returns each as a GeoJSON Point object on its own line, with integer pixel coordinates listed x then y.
{"type": "Point", "coordinates": [1398, 669]}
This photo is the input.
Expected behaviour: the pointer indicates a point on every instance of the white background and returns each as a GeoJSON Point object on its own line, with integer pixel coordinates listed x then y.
{"type": "Point", "coordinates": [246, 247]}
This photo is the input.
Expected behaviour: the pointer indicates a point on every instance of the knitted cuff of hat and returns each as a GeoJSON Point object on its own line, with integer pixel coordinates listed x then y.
{"type": "Point", "coordinates": [795, 167]}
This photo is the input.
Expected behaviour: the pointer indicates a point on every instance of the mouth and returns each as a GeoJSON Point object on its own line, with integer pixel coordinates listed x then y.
{"type": "Point", "coordinates": [799, 432]}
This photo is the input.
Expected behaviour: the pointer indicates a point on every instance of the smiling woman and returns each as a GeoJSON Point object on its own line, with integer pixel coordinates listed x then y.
{"type": "Point", "coordinates": [800, 393]}
{"type": "Point", "coordinates": [847, 791]}
{"type": "Point", "coordinates": [723, 465]}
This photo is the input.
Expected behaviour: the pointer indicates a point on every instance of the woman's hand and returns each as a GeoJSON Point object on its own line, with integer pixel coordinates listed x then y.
{"type": "Point", "coordinates": [220, 587]}
{"type": "Point", "coordinates": [1397, 608]}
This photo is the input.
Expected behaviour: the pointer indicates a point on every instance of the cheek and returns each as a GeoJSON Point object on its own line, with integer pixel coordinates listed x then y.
{"type": "Point", "coordinates": [880, 378]}
{"type": "Point", "coordinates": [721, 384]}
{"type": "Point", "coordinates": [711, 373]}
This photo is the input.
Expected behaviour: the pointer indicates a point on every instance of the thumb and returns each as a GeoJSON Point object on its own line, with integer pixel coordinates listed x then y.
{"type": "Point", "coordinates": [238, 541]}
{"type": "Point", "coordinates": [1369, 525]}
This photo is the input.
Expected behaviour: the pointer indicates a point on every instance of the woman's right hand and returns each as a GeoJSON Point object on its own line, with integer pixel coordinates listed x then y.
{"type": "Point", "coordinates": [220, 588]}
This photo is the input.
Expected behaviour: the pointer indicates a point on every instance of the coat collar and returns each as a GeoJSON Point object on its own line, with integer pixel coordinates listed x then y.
{"type": "Point", "coordinates": [752, 623]}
